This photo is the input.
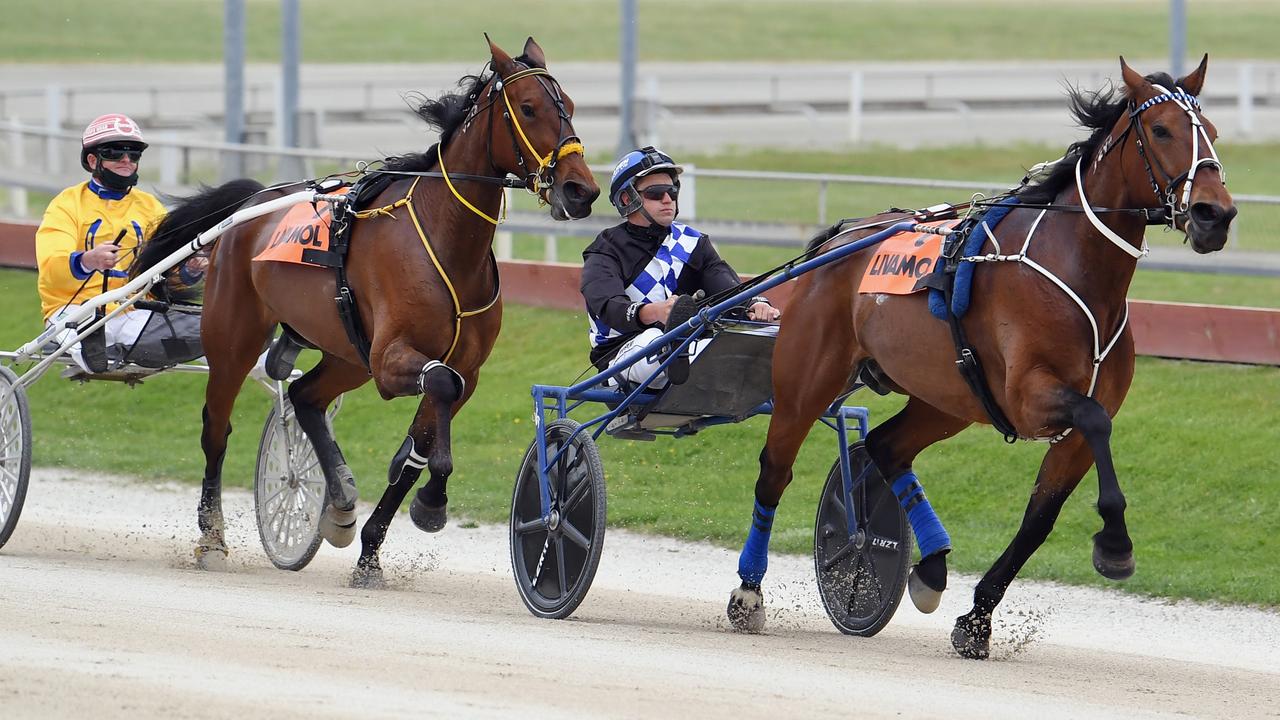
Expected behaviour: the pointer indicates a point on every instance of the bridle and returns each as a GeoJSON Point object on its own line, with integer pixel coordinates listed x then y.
{"type": "Point", "coordinates": [540, 181]}
{"type": "Point", "coordinates": [1175, 208]}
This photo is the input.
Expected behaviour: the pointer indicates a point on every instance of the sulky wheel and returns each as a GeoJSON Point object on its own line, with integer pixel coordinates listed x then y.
{"type": "Point", "coordinates": [860, 577]}
{"type": "Point", "coordinates": [15, 451]}
{"type": "Point", "coordinates": [288, 491]}
{"type": "Point", "coordinates": [554, 559]}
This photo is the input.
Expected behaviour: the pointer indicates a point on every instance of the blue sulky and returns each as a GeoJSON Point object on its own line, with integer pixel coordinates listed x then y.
{"type": "Point", "coordinates": [558, 522]}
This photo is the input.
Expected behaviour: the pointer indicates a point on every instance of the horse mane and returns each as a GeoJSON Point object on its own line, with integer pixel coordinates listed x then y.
{"type": "Point", "coordinates": [446, 114]}
{"type": "Point", "coordinates": [1097, 111]}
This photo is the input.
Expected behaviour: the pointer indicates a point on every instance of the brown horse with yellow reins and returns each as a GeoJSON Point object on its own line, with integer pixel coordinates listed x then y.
{"type": "Point", "coordinates": [1046, 333]}
{"type": "Point", "coordinates": [418, 285]}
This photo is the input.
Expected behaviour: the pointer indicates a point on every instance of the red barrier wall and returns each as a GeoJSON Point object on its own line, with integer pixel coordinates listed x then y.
{"type": "Point", "coordinates": [1174, 330]}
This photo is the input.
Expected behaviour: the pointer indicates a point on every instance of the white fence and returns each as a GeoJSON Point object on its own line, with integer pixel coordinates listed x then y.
{"type": "Point", "coordinates": [41, 160]}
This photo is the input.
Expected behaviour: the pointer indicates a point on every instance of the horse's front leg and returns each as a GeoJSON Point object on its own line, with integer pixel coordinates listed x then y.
{"type": "Point", "coordinates": [1061, 471]}
{"type": "Point", "coordinates": [426, 446]}
{"type": "Point", "coordinates": [1112, 547]}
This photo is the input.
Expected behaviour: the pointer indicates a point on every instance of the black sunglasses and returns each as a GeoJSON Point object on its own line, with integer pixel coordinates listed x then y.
{"type": "Point", "coordinates": [655, 192]}
{"type": "Point", "coordinates": [115, 153]}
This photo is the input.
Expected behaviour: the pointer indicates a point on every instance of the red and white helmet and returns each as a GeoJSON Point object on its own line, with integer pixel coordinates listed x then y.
{"type": "Point", "coordinates": [112, 127]}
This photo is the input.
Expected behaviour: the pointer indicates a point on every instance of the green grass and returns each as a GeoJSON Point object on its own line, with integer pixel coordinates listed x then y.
{"type": "Point", "coordinates": [438, 30]}
{"type": "Point", "coordinates": [1194, 448]}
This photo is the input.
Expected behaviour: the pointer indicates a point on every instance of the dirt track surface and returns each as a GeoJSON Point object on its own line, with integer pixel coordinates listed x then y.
{"type": "Point", "coordinates": [103, 614]}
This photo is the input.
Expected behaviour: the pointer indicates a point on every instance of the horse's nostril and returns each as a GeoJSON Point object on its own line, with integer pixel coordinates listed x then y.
{"type": "Point", "coordinates": [1206, 213]}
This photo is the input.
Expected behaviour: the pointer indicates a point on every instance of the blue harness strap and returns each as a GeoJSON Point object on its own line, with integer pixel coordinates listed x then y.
{"type": "Point", "coordinates": [931, 537]}
{"type": "Point", "coordinates": [754, 560]}
{"type": "Point", "coordinates": [964, 270]}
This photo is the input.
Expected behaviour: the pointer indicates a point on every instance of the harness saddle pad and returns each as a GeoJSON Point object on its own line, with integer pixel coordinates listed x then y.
{"type": "Point", "coordinates": [304, 227]}
{"type": "Point", "coordinates": [903, 259]}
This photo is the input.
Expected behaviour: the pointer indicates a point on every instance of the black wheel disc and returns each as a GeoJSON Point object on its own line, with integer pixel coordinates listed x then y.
{"type": "Point", "coordinates": [861, 576]}
{"type": "Point", "coordinates": [554, 560]}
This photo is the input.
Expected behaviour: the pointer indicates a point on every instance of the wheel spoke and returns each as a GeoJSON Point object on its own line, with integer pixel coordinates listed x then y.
{"type": "Point", "coordinates": [308, 467]}
{"type": "Point", "coordinates": [530, 526]}
{"type": "Point", "coordinates": [542, 558]}
{"type": "Point", "coordinates": [845, 551]}
{"type": "Point", "coordinates": [13, 477]}
{"type": "Point", "coordinates": [560, 569]}
{"type": "Point", "coordinates": [284, 487]}
{"type": "Point", "coordinates": [575, 535]}
{"type": "Point", "coordinates": [576, 495]}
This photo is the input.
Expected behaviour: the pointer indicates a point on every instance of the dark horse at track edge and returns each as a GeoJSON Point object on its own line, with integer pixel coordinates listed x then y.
{"type": "Point", "coordinates": [1047, 319]}
{"type": "Point", "coordinates": [420, 267]}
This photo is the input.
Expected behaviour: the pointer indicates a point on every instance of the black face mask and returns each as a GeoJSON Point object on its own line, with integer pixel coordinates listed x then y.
{"type": "Point", "coordinates": [114, 181]}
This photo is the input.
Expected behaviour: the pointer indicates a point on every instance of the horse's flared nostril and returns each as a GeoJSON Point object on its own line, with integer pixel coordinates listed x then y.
{"type": "Point", "coordinates": [1206, 214]}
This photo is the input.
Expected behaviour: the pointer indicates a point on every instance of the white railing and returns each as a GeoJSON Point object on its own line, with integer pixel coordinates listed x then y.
{"type": "Point", "coordinates": [177, 174]}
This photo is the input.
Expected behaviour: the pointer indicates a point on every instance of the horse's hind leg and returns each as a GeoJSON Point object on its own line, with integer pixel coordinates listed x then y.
{"type": "Point", "coordinates": [311, 395]}
{"type": "Point", "coordinates": [811, 366]}
{"type": "Point", "coordinates": [1063, 467]}
{"type": "Point", "coordinates": [229, 363]}
{"type": "Point", "coordinates": [893, 446]}
{"type": "Point", "coordinates": [427, 445]}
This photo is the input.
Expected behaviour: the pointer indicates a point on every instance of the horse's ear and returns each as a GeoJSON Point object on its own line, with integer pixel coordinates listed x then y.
{"type": "Point", "coordinates": [502, 62]}
{"type": "Point", "coordinates": [1193, 82]}
{"type": "Point", "coordinates": [1137, 85]}
{"type": "Point", "coordinates": [534, 52]}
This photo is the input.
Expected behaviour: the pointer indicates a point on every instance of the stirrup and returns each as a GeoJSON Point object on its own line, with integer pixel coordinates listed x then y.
{"type": "Point", "coordinates": [684, 308]}
{"type": "Point", "coordinates": [93, 348]}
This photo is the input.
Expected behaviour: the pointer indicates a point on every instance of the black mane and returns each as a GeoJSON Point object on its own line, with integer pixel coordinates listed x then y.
{"type": "Point", "coordinates": [446, 113]}
{"type": "Point", "coordinates": [1094, 110]}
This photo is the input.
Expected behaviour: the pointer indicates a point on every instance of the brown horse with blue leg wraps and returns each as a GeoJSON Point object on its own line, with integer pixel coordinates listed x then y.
{"type": "Point", "coordinates": [418, 305]}
{"type": "Point", "coordinates": [1044, 340]}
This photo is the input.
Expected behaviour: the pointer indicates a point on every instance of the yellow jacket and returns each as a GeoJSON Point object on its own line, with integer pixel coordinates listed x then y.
{"type": "Point", "coordinates": [77, 219]}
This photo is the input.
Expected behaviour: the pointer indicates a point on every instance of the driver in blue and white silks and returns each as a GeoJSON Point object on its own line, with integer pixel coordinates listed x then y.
{"type": "Point", "coordinates": [634, 271]}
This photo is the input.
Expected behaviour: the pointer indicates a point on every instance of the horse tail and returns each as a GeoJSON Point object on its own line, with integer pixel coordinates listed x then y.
{"type": "Point", "coordinates": [192, 216]}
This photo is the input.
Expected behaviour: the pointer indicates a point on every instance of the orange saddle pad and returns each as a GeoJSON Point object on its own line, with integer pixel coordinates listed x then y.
{"type": "Point", "coordinates": [903, 259]}
{"type": "Point", "coordinates": [304, 227]}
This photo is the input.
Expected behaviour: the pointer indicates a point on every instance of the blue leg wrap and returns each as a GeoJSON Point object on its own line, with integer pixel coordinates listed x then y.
{"type": "Point", "coordinates": [930, 535]}
{"type": "Point", "coordinates": [754, 560]}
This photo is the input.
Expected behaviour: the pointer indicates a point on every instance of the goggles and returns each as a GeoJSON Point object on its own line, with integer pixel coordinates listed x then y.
{"type": "Point", "coordinates": [108, 152]}
{"type": "Point", "coordinates": [656, 192]}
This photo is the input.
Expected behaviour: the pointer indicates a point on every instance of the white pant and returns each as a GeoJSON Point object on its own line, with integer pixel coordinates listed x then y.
{"type": "Point", "coordinates": [122, 329]}
{"type": "Point", "coordinates": [644, 367]}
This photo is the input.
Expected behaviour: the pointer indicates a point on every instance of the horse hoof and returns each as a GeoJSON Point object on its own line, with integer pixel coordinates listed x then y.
{"type": "Point", "coordinates": [428, 519]}
{"type": "Point", "coordinates": [925, 598]}
{"type": "Point", "coordinates": [338, 527]}
{"type": "Point", "coordinates": [972, 637]}
{"type": "Point", "coordinates": [211, 559]}
{"type": "Point", "coordinates": [927, 580]}
{"type": "Point", "coordinates": [368, 577]}
{"type": "Point", "coordinates": [1113, 567]}
{"type": "Point", "coordinates": [746, 609]}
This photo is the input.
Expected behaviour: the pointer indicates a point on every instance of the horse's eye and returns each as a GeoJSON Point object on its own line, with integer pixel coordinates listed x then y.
{"type": "Point", "coordinates": [527, 110]}
{"type": "Point", "coordinates": [1160, 132]}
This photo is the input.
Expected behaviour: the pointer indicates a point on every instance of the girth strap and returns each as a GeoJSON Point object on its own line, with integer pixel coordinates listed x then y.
{"type": "Point", "coordinates": [967, 357]}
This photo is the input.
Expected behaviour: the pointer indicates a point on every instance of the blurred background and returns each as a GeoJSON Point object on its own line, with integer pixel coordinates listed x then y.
{"type": "Point", "coordinates": [794, 113]}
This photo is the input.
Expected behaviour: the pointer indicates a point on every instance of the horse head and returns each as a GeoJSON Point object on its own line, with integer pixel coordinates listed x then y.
{"type": "Point", "coordinates": [1175, 145]}
{"type": "Point", "coordinates": [535, 139]}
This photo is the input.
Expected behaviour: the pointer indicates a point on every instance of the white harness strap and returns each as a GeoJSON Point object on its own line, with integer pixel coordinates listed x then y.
{"type": "Point", "coordinates": [1099, 353]}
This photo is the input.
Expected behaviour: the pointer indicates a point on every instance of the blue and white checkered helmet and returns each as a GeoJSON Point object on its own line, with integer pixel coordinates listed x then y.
{"type": "Point", "coordinates": [633, 166]}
